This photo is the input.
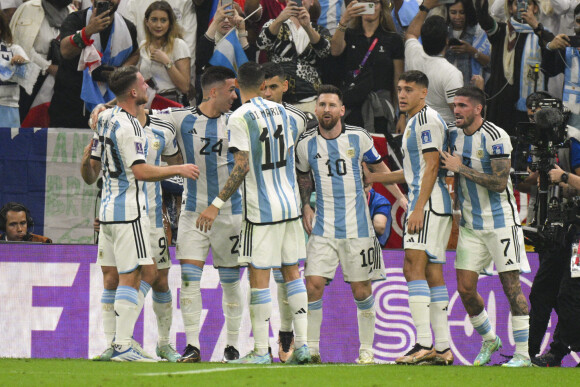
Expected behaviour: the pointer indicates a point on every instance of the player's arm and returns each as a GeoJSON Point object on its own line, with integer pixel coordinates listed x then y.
{"type": "Point", "coordinates": [496, 181]}
{"type": "Point", "coordinates": [148, 172]}
{"type": "Point", "coordinates": [382, 169]}
{"type": "Point", "coordinates": [415, 221]}
{"type": "Point", "coordinates": [90, 168]}
{"type": "Point", "coordinates": [385, 178]}
{"type": "Point", "coordinates": [306, 187]}
{"type": "Point", "coordinates": [239, 172]}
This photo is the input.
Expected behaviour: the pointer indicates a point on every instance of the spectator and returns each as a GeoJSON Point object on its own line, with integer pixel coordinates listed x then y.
{"type": "Point", "coordinates": [109, 33]}
{"type": "Point", "coordinates": [11, 55]}
{"type": "Point", "coordinates": [444, 78]}
{"type": "Point", "coordinates": [185, 15]}
{"type": "Point", "coordinates": [472, 55]}
{"type": "Point", "coordinates": [223, 21]}
{"type": "Point", "coordinates": [298, 45]}
{"type": "Point", "coordinates": [165, 60]}
{"type": "Point", "coordinates": [358, 36]}
{"type": "Point", "coordinates": [515, 54]}
{"type": "Point", "coordinates": [34, 26]}
{"type": "Point", "coordinates": [9, 7]}
{"type": "Point", "coordinates": [16, 223]}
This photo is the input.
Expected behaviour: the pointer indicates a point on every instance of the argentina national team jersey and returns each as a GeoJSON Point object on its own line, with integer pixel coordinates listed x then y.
{"type": "Point", "coordinates": [482, 209]}
{"type": "Point", "coordinates": [264, 130]}
{"type": "Point", "coordinates": [204, 142]}
{"type": "Point", "coordinates": [121, 144]}
{"type": "Point", "coordinates": [425, 132]}
{"type": "Point", "coordinates": [161, 137]}
{"type": "Point", "coordinates": [341, 207]}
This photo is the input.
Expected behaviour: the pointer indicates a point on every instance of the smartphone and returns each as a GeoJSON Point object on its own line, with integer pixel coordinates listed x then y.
{"type": "Point", "coordinates": [574, 40]}
{"type": "Point", "coordinates": [102, 6]}
{"type": "Point", "coordinates": [454, 42]}
{"type": "Point", "coordinates": [298, 3]}
{"type": "Point", "coordinates": [368, 8]}
{"type": "Point", "coordinates": [227, 4]}
{"type": "Point", "coordinates": [522, 7]}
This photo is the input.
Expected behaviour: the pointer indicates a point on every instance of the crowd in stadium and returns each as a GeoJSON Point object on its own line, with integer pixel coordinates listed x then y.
{"type": "Point", "coordinates": [267, 104]}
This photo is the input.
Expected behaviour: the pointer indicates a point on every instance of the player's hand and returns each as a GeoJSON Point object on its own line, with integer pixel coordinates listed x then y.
{"type": "Point", "coordinates": [307, 218]}
{"type": "Point", "coordinates": [415, 221]}
{"type": "Point", "coordinates": [559, 42]}
{"type": "Point", "coordinates": [206, 218]}
{"type": "Point", "coordinates": [189, 171]}
{"type": "Point", "coordinates": [94, 118]}
{"type": "Point", "coordinates": [450, 162]}
{"type": "Point", "coordinates": [555, 174]}
{"type": "Point", "coordinates": [403, 203]}
{"type": "Point", "coordinates": [98, 23]}
{"type": "Point", "coordinates": [97, 225]}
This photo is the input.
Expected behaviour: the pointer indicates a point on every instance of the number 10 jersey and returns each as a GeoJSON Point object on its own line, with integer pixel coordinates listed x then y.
{"type": "Point", "coordinates": [264, 130]}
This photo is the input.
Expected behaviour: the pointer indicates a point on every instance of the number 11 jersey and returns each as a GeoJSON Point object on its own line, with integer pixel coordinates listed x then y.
{"type": "Point", "coordinates": [264, 130]}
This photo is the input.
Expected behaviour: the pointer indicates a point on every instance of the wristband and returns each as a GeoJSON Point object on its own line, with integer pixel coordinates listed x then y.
{"type": "Point", "coordinates": [340, 27]}
{"type": "Point", "coordinates": [85, 38]}
{"type": "Point", "coordinates": [217, 203]}
{"type": "Point", "coordinates": [72, 41]}
{"type": "Point", "coordinates": [78, 40]}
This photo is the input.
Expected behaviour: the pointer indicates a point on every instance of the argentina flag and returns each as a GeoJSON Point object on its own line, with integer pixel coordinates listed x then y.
{"type": "Point", "coordinates": [229, 53]}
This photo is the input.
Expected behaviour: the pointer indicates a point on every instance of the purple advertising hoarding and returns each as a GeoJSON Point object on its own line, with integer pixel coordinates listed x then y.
{"type": "Point", "coordinates": [52, 309]}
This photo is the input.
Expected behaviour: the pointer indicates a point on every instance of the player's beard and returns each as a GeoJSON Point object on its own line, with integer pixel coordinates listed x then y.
{"type": "Point", "coordinates": [142, 100]}
{"type": "Point", "coordinates": [330, 125]}
{"type": "Point", "coordinates": [467, 121]}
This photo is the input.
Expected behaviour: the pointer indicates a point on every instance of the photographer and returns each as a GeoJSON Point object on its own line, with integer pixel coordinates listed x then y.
{"type": "Point", "coordinates": [546, 293]}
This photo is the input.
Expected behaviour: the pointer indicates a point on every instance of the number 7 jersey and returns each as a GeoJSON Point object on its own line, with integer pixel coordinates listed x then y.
{"type": "Point", "coordinates": [264, 130]}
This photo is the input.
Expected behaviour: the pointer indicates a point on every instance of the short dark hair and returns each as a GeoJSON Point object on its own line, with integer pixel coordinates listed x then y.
{"type": "Point", "coordinates": [535, 97]}
{"type": "Point", "coordinates": [122, 79]}
{"type": "Point", "coordinates": [577, 10]}
{"type": "Point", "coordinates": [330, 89]}
{"type": "Point", "coordinates": [272, 70]}
{"type": "Point", "coordinates": [415, 76]}
{"type": "Point", "coordinates": [15, 207]}
{"type": "Point", "coordinates": [475, 94]}
{"type": "Point", "coordinates": [215, 74]}
{"type": "Point", "coordinates": [250, 75]}
{"type": "Point", "coordinates": [434, 35]}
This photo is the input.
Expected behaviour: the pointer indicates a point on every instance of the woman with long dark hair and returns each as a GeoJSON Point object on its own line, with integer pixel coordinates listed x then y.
{"type": "Point", "coordinates": [469, 48]}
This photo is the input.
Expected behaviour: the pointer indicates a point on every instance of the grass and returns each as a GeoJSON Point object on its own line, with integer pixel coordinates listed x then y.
{"type": "Point", "coordinates": [75, 372]}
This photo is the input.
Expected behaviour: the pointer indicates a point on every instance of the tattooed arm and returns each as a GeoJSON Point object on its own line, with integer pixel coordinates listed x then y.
{"type": "Point", "coordinates": [496, 181]}
{"type": "Point", "coordinates": [306, 186]}
{"type": "Point", "coordinates": [239, 172]}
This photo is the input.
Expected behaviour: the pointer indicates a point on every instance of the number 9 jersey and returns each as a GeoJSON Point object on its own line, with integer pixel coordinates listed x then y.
{"type": "Point", "coordinates": [264, 130]}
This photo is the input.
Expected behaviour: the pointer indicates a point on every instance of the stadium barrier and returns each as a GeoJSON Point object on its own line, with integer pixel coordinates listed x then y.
{"type": "Point", "coordinates": [51, 309]}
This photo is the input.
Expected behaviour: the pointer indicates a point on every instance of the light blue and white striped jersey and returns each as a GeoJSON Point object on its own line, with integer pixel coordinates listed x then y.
{"type": "Point", "coordinates": [482, 209]}
{"type": "Point", "coordinates": [263, 128]}
{"type": "Point", "coordinates": [122, 144]}
{"type": "Point", "coordinates": [425, 132]}
{"type": "Point", "coordinates": [298, 120]}
{"type": "Point", "coordinates": [162, 141]}
{"type": "Point", "coordinates": [571, 95]}
{"type": "Point", "coordinates": [330, 13]}
{"type": "Point", "coordinates": [204, 142]}
{"type": "Point", "coordinates": [341, 207]}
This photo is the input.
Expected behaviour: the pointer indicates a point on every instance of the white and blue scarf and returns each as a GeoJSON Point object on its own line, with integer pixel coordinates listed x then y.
{"type": "Point", "coordinates": [118, 49]}
{"type": "Point", "coordinates": [531, 56]}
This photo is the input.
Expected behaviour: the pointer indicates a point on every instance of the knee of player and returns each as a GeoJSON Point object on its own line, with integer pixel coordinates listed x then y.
{"type": "Point", "coordinates": [361, 290]}
{"type": "Point", "coordinates": [149, 273]}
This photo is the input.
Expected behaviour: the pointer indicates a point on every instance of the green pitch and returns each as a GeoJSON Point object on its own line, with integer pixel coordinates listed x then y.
{"type": "Point", "coordinates": [83, 373]}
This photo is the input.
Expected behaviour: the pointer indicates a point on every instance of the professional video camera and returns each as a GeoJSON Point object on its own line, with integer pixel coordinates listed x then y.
{"type": "Point", "coordinates": [536, 146]}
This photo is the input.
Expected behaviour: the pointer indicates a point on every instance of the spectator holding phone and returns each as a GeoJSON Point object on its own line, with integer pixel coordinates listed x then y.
{"type": "Point", "coordinates": [165, 60]}
{"type": "Point", "coordinates": [227, 16]}
{"type": "Point", "coordinates": [75, 92]}
{"type": "Point", "coordinates": [561, 56]}
{"type": "Point", "coordinates": [515, 63]}
{"type": "Point", "coordinates": [469, 48]}
{"type": "Point", "coordinates": [359, 34]}
{"type": "Point", "coordinates": [298, 45]}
